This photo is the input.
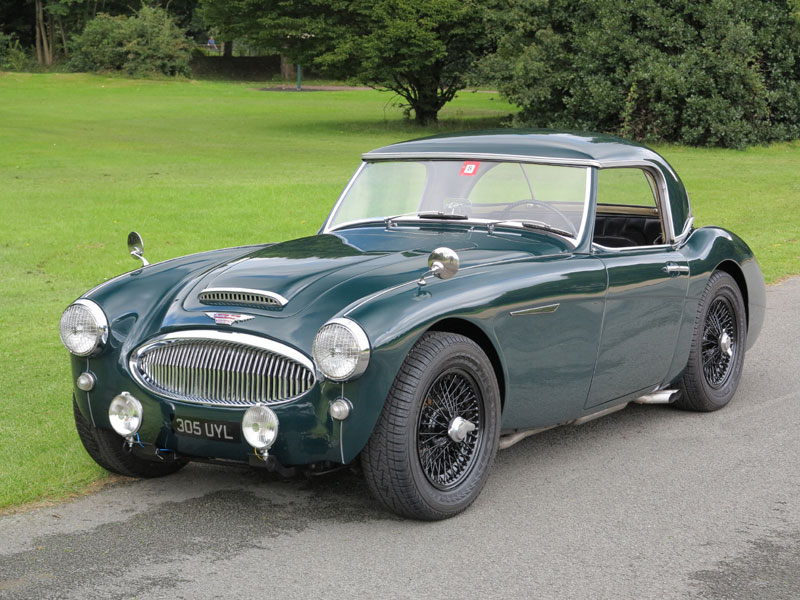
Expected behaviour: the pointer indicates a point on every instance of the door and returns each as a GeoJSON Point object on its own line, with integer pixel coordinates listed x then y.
{"type": "Point", "coordinates": [549, 330]}
{"type": "Point", "coordinates": [647, 284]}
{"type": "Point", "coordinates": [643, 311]}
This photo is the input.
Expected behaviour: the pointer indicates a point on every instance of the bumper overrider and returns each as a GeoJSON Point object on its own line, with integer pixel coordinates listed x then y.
{"type": "Point", "coordinates": [217, 395]}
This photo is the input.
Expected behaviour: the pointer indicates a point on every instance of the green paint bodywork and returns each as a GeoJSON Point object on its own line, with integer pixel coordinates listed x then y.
{"type": "Point", "coordinates": [622, 326]}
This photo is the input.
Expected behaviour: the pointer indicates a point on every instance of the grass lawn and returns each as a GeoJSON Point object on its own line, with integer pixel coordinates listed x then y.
{"type": "Point", "coordinates": [200, 165]}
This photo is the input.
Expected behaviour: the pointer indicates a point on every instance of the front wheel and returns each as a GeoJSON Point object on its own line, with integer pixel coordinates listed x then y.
{"type": "Point", "coordinates": [718, 344]}
{"type": "Point", "coordinates": [108, 450]}
{"type": "Point", "coordinates": [429, 455]}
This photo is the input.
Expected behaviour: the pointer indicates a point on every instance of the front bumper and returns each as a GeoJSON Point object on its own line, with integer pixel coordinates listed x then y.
{"type": "Point", "coordinates": [307, 433]}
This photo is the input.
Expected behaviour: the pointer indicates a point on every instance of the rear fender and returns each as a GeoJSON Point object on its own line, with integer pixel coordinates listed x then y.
{"type": "Point", "coordinates": [709, 249]}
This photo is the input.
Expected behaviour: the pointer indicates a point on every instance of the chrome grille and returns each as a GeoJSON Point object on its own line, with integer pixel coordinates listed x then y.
{"type": "Point", "coordinates": [229, 369]}
{"type": "Point", "coordinates": [241, 297]}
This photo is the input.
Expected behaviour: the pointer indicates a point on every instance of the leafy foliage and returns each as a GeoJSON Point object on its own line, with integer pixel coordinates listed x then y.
{"type": "Point", "coordinates": [12, 56]}
{"type": "Point", "coordinates": [422, 51]}
{"type": "Point", "coordinates": [419, 49]}
{"type": "Point", "coordinates": [717, 73]}
{"type": "Point", "coordinates": [147, 43]}
{"type": "Point", "coordinates": [62, 19]}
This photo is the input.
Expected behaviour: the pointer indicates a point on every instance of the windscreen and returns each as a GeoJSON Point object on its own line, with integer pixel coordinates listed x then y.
{"type": "Point", "coordinates": [478, 190]}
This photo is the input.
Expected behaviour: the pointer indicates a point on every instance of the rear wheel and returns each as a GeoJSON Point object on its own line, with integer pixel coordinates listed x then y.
{"type": "Point", "coordinates": [110, 452]}
{"type": "Point", "coordinates": [430, 453]}
{"type": "Point", "coordinates": [718, 346]}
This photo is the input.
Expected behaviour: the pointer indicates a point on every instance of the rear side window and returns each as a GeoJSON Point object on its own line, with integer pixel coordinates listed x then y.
{"type": "Point", "coordinates": [628, 213]}
{"type": "Point", "coordinates": [627, 187]}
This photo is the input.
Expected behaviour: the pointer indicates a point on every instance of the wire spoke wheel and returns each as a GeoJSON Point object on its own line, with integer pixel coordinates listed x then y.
{"type": "Point", "coordinates": [430, 453]}
{"type": "Point", "coordinates": [453, 399]}
{"type": "Point", "coordinates": [719, 343]}
{"type": "Point", "coordinates": [719, 340]}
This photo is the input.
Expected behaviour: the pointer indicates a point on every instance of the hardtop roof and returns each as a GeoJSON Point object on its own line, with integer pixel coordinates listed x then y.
{"type": "Point", "coordinates": [528, 143]}
{"type": "Point", "coordinates": [548, 146]}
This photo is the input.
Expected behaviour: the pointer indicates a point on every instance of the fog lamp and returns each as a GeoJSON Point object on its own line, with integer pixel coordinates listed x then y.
{"type": "Point", "coordinates": [260, 427]}
{"type": "Point", "coordinates": [125, 414]}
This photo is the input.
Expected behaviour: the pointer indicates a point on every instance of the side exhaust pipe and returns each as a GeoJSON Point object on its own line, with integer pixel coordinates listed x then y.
{"type": "Point", "coordinates": [657, 397]}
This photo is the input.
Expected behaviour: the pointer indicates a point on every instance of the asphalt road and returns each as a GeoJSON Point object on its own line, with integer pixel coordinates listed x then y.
{"type": "Point", "coordinates": [649, 502]}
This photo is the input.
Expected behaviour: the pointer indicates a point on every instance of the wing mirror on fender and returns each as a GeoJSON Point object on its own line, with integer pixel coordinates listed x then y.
{"type": "Point", "coordinates": [136, 248]}
{"type": "Point", "coordinates": [442, 263]}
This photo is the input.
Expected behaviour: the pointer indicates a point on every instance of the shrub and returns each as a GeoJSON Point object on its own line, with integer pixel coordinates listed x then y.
{"type": "Point", "coordinates": [12, 56]}
{"type": "Point", "coordinates": [716, 73]}
{"type": "Point", "coordinates": [146, 43]}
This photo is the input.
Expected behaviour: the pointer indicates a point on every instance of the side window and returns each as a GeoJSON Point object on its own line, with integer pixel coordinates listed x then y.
{"type": "Point", "coordinates": [627, 212]}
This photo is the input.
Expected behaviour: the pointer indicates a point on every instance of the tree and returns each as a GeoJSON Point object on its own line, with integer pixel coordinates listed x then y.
{"type": "Point", "coordinates": [422, 50]}
{"type": "Point", "coordinates": [147, 42]}
{"type": "Point", "coordinates": [722, 72]}
{"type": "Point", "coordinates": [55, 21]}
{"type": "Point", "coordinates": [49, 25]}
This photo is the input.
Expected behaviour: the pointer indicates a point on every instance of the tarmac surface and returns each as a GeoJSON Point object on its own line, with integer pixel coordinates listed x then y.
{"type": "Point", "coordinates": [650, 502]}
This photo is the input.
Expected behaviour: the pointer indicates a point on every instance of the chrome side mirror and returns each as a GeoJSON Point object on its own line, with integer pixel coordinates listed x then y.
{"type": "Point", "coordinates": [442, 263]}
{"type": "Point", "coordinates": [136, 247]}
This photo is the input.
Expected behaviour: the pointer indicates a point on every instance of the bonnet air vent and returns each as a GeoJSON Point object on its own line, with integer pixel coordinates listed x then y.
{"type": "Point", "coordinates": [241, 297]}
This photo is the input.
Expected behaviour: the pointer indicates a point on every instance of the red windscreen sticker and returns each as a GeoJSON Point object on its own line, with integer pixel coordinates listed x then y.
{"type": "Point", "coordinates": [469, 167]}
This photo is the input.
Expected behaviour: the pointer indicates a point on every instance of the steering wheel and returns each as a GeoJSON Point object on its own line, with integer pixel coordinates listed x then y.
{"type": "Point", "coordinates": [531, 202]}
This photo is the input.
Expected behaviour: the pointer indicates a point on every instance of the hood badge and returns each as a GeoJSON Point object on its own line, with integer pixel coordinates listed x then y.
{"type": "Point", "coordinates": [225, 318]}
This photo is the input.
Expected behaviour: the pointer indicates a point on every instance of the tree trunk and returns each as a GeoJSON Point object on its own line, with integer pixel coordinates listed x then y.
{"type": "Point", "coordinates": [426, 105]}
{"type": "Point", "coordinates": [51, 35]}
{"type": "Point", "coordinates": [44, 50]}
{"type": "Point", "coordinates": [425, 116]}
{"type": "Point", "coordinates": [227, 49]}
{"type": "Point", "coordinates": [63, 37]}
{"type": "Point", "coordinates": [39, 57]}
{"type": "Point", "coordinates": [288, 69]}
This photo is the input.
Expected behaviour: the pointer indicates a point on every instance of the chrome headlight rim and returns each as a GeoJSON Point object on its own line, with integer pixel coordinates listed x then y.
{"type": "Point", "coordinates": [362, 345]}
{"type": "Point", "coordinates": [101, 322]}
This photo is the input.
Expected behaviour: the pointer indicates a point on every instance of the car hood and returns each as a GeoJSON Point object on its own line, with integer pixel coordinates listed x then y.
{"type": "Point", "coordinates": [337, 269]}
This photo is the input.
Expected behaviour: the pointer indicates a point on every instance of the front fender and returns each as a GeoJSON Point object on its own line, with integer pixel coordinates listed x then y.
{"type": "Point", "coordinates": [395, 319]}
{"type": "Point", "coordinates": [135, 302]}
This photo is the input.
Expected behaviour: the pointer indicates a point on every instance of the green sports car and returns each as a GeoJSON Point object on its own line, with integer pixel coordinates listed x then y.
{"type": "Point", "coordinates": [465, 292]}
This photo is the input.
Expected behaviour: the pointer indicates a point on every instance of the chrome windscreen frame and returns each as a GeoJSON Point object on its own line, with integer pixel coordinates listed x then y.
{"type": "Point", "coordinates": [325, 226]}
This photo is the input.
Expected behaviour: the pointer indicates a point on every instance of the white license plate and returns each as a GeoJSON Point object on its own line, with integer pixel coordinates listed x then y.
{"type": "Point", "coordinates": [218, 431]}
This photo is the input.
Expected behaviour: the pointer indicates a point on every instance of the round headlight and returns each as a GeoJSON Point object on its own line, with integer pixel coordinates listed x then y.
{"type": "Point", "coordinates": [125, 414]}
{"type": "Point", "coordinates": [83, 328]}
{"type": "Point", "coordinates": [260, 426]}
{"type": "Point", "coordinates": [341, 349]}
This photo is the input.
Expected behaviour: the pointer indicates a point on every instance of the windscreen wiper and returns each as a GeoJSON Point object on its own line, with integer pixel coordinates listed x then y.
{"type": "Point", "coordinates": [441, 215]}
{"type": "Point", "coordinates": [530, 224]}
{"type": "Point", "coordinates": [430, 214]}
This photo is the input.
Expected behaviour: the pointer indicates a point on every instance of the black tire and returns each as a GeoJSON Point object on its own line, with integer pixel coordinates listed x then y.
{"type": "Point", "coordinates": [411, 464]}
{"type": "Point", "coordinates": [107, 449]}
{"type": "Point", "coordinates": [719, 339]}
